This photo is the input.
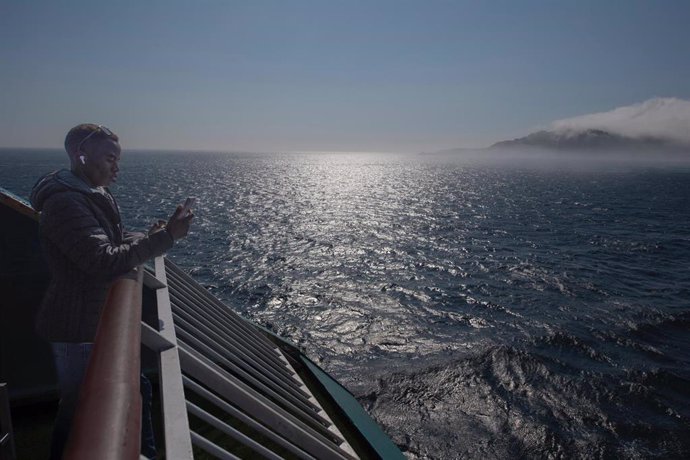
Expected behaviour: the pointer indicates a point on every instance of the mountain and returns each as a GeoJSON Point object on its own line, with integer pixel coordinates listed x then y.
{"type": "Point", "coordinates": [587, 140]}
{"type": "Point", "coordinates": [655, 125]}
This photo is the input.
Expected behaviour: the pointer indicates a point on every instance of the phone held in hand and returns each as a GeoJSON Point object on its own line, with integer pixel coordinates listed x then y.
{"type": "Point", "coordinates": [187, 207]}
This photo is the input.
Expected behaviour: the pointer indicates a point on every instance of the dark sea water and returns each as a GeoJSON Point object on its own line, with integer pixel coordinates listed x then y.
{"type": "Point", "coordinates": [476, 310]}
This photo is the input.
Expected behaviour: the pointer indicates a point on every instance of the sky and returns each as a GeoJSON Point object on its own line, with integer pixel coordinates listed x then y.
{"type": "Point", "coordinates": [398, 76]}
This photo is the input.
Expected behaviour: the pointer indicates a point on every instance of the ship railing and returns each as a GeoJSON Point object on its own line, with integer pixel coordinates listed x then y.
{"type": "Point", "coordinates": [226, 390]}
{"type": "Point", "coordinates": [107, 422]}
{"type": "Point", "coordinates": [225, 387]}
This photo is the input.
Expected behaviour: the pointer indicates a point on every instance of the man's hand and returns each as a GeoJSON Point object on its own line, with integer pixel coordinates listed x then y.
{"type": "Point", "coordinates": [157, 227]}
{"type": "Point", "coordinates": [178, 226]}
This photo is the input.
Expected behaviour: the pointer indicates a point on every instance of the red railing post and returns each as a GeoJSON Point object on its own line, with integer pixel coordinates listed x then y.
{"type": "Point", "coordinates": [107, 423]}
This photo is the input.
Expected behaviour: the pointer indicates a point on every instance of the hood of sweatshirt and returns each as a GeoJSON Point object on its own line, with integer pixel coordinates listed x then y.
{"type": "Point", "coordinates": [65, 180]}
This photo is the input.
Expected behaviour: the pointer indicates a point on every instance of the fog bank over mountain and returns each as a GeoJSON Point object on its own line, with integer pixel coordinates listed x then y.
{"type": "Point", "coordinates": [661, 118]}
{"type": "Point", "coordinates": [656, 125]}
{"type": "Point", "coordinates": [653, 133]}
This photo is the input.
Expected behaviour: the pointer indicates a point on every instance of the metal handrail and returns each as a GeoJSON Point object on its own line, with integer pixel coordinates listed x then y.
{"type": "Point", "coordinates": [107, 423]}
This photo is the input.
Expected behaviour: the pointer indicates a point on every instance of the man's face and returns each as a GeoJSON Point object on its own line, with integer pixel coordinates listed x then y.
{"type": "Point", "coordinates": [102, 158]}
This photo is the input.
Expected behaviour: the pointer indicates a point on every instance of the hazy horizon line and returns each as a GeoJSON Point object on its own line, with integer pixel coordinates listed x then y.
{"type": "Point", "coordinates": [326, 152]}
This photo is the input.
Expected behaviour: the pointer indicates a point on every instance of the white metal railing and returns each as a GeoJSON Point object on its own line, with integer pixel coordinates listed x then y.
{"type": "Point", "coordinates": [237, 387]}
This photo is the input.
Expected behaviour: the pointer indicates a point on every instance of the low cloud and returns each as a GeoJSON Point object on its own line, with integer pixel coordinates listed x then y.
{"type": "Point", "coordinates": [667, 118]}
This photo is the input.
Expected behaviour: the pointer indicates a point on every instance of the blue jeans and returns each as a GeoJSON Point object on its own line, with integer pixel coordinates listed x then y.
{"type": "Point", "coordinates": [71, 360]}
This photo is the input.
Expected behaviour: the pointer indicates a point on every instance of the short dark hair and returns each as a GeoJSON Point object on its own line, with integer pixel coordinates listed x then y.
{"type": "Point", "coordinates": [79, 133]}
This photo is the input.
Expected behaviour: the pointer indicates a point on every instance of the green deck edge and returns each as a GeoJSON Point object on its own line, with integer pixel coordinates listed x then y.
{"type": "Point", "coordinates": [378, 440]}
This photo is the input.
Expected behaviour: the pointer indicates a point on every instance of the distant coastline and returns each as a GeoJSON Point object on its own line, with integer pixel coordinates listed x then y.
{"type": "Point", "coordinates": [594, 141]}
{"type": "Point", "coordinates": [591, 140]}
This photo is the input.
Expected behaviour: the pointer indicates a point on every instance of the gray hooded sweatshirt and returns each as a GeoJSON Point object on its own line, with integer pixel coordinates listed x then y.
{"type": "Point", "coordinates": [86, 250]}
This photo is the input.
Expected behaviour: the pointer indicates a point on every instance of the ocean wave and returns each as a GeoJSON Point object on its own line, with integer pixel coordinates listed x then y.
{"type": "Point", "coordinates": [508, 402]}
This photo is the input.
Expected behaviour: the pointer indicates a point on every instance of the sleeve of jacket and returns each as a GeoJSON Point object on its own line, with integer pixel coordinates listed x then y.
{"type": "Point", "coordinates": [69, 223]}
{"type": "Point", "coordinates": [132, 237]}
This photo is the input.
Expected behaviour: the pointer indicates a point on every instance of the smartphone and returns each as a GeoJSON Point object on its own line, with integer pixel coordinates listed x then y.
{"type": "Point", "coordinates": [187, 206]}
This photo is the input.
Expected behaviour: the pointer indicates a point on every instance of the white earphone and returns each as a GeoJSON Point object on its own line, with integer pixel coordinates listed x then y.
{"type": "Point", "coordinates": [83, 159]}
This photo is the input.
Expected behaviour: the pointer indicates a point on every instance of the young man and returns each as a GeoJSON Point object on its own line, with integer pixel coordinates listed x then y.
{"type": "Point", "coordinates": [86, 249]}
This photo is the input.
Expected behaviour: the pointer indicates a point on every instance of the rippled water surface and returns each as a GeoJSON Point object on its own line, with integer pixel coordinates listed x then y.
{"type": "Point", "coordinates": [476, 311]}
